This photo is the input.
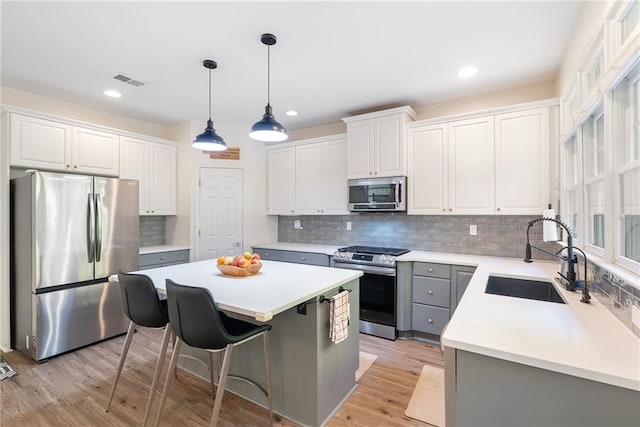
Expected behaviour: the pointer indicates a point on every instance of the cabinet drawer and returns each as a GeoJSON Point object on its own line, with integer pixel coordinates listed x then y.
{"type": "Point", "coordinates": [429, 319]}
{"type": "Point", "coordinates": [442, 271]}
{"type": "Point", "coordinates": [432, 291]}
{"type": "Point", "coordinates": [172, 257]}
{"type": "Point", "coordinates": [293, 256]}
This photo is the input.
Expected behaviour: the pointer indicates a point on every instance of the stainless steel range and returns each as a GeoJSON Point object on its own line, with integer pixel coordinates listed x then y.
{"type": "Point", "coordinates": [377, 286]}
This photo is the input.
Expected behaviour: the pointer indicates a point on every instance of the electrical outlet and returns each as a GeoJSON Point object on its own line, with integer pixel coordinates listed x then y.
{"type": "Point", "coordinates": [348, 225]}
{"type": "Point", "coordinates": [473, 230]}
{"type": "Point", "coordinates": [297, 225]}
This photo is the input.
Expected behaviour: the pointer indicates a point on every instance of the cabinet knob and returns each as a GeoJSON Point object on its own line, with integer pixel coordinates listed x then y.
{"type": "Point", "coordinates": [430, 270]}
{"type": "Point", "coordinates": [75, 166]}
{"type": "Point", "coordinates": [292, 210]}
{"type": "Point", "coordinates": [68, 166]}
{"type": "Point", "coordinates": [153, 211]}
{"type": "Point", "coordinates": [375, 173]}
{"type": "Point", "coordinates": [498, 209]}
{"type": "Point", "coordinates": [450, 209]}
{"type": "Point", "coordinates": [161, 258]}
{"type": "Point", "coordinates": [430, 292]}
{"type": "Point", "coordinates": [444, 210]}
{"type": "Point", "coordinates": [304, 258]}
{"type": "Point", "coordinates": [317, 210]}
{"type": "Point", "coordinates": [370, 173]}
{"type": "Point", "coordinates": [266, 254]}
{"type": "Point", "coordinates": [430, 320]}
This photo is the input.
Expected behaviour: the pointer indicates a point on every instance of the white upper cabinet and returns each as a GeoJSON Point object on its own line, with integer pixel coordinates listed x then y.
{"type": "Point", "coordinates": [309, 178]}
{"type": "Point", "coordinates": [281, 175]}
{"type": "Point", "coordinates": [427, 170]}
{"type": "Point", "coordinates": [95, 152]}
{"type": "Point", "coordinates": [522, 162]}
{"type": "Point", "coordinates": [48, 144]}
{"type": "Point", "coordinates": [492, 164]}
{"type": "Point", "coordinates": [153, 165]}
{"type": "Point", "coordinates": [321, 178]}
{"type": "Point", "coordinates": [375, 143]}
{"type": "Point", "coordinates": [471, 166]}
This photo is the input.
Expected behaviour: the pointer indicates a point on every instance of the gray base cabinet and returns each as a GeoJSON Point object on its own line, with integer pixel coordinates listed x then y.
{"type": "Point", "coordinates": [163, 259]}
{"type": "Point", "coordinates": [294, 256]}
{"type": "Point", "coordinates": [428, 294]}
{"type": "Point", "coordinates": [485, 391]}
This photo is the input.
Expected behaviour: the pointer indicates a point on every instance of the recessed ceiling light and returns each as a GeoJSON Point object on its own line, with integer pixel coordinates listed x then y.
{"type": "Point", "coordinates": [113, 93]}
{"type": "Point", "coordinates": [467, 71]}
{"type": "Point", "coordinates": [291, 113]}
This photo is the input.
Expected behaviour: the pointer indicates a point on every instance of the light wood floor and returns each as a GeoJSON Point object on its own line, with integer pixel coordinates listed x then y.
{"type": "Point", "coordinates": [72, 389]}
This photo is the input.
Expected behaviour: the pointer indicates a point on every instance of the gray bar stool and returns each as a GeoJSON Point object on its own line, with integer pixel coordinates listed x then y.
{"type": "Point", "coordinates": [143, 307]}
{"type": "Point", "coordinates": [196, 321]}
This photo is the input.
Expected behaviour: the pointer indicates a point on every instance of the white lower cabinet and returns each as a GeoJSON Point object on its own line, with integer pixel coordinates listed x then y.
{"type": "Point", "coordinates": [496, 164]}
{"type": "Point", "coordinates": [52, 145]}
{"type": "Point", "coordinates": [309, 178]}
{"type": "Point", "coordinates": [153, 164]}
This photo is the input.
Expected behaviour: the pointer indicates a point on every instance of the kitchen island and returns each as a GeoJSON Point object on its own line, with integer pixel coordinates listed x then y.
{"type": "Point", "coordinates": [516, 361]}
{"type": "Point", "coordinates": [310, 375]}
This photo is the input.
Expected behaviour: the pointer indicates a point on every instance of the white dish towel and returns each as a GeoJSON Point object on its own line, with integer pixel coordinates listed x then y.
{"type": "Point", "coordinates": [339, 317]}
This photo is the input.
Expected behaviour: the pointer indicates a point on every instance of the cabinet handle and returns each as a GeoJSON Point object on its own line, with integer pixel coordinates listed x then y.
{"type": "Point", "coordinates": [430, 321]}
{"type": "Point", "coordinates": [430, 270]}
{"type": "Point", "coordinates": [430, 292]}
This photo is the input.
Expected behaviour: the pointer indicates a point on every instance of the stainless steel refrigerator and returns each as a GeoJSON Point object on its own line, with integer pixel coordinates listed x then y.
{"type": "Point", "coordinates": [69, 233]}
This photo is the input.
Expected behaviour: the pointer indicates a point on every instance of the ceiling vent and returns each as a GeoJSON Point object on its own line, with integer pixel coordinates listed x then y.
{"type": "Point", "coordinates": [128, 80]}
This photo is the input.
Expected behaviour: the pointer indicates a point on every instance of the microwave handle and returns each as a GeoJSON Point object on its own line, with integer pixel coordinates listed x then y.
{"type": "Point", "coordinates": [398, 192]}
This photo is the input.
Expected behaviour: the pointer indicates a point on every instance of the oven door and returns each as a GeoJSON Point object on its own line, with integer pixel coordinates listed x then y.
{"type": "Point", "coordinates": [377, 297]}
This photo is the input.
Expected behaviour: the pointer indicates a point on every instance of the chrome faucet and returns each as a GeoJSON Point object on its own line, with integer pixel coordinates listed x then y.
{"type": "Point", "coordinates": [571, 258]}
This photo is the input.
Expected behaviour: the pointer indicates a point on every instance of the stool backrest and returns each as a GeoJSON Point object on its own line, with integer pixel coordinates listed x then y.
{"type": "Point", "coordinates": [194, 317]}
{"type": "Point", "coordinates": [140, 301]}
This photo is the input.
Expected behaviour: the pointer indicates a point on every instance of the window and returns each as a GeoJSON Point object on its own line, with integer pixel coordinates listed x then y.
{"type": "Point", "coordinates": [594, 178]}
{"type": "Point", "coordinates": [593, 76]}
{"type": "Point", "coordinates": [573, 185]}
{"type": "Point", "coordinates": [626, 170]}
{"type": "Point", "coordinates": [595, 213]}
{"type": "Point", "coordinates": [630, 20]}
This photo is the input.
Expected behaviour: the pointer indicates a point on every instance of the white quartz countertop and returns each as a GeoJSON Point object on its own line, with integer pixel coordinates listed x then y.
{"type": "Point", "coordinates": [299, 247]}
{"type": "Point", "coordinates": [583, 340]}
{"type": "Point", "coordinates": [278, 286]}
{"type": "Point", "coordinates": [161, 248]}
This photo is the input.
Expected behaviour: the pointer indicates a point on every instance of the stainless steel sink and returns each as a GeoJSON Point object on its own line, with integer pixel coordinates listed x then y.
{"type": "Point", "coordinates": [523, 288]}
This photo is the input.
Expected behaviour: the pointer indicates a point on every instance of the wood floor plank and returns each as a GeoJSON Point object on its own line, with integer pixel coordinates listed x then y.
{"type": "Point", "coordinates": [73, 389]}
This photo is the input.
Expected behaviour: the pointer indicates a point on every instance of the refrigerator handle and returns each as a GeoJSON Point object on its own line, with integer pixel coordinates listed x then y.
{"type": "Point", "coordinates": [90, 229]}
{"type": "Point", "coordinates": [98, 228]}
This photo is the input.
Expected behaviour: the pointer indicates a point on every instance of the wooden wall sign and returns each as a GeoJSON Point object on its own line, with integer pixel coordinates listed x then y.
{"type": "Point", "coordinates": [231, 153]}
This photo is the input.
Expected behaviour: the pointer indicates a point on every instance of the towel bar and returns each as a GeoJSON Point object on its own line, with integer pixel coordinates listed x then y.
{"type": "Point", "coordinates": [302, 307]}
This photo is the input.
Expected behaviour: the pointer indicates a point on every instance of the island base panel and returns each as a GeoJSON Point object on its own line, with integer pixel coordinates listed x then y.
{"type": "Point", "coordinates": [310, 375]}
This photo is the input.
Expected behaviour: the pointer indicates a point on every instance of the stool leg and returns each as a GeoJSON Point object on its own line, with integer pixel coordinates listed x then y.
{"type": "Point", "coordinates": [222, 382]}
{"type": "Point", "coordinates": [211, 376]}
{"type": "Point", "coordinates": [123, 356]}
{"type": "Point", "coordinates": [169, 380]}
{"type": "Point", "coordinates": [156, 373]}
{"type": "Point", "coordinates": [267, 366]}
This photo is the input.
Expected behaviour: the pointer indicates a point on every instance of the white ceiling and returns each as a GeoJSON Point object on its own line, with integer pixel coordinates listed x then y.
{"type": "Point", "coordinates": [331, 59]}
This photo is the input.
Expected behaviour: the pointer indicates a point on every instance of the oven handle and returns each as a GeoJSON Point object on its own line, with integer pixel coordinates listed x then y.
{"type": "Point", "coordinates": [381, 271]}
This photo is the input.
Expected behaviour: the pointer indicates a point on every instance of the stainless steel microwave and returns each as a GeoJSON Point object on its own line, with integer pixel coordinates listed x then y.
{"type": "Point", "coordinates": [378, 194]}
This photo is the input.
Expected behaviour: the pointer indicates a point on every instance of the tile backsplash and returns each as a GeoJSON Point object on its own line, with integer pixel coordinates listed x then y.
{"type": "Point", "coordinates": [504, 236]}
{"type": "Point", "coordinates": [152, 230]}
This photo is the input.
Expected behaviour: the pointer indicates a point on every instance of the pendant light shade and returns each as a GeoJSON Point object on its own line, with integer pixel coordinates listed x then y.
{"type": "Point", "coordinates": [209, 140]}
{"type": "Point", "coordinates": [268, 129]}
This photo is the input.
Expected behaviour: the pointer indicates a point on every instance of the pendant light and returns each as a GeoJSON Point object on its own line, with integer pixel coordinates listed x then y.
{"type": "Point", "coordinates": [268, 129]}
{"type": "Point", "coordinates": [209, 140]}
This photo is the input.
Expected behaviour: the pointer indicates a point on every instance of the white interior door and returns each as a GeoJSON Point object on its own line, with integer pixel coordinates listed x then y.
{"type": "Point", "coordinates": [220, 220]}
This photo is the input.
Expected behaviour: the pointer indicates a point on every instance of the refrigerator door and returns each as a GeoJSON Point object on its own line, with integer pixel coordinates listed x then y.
{"type": "Point", "coordinates": [117, 225]}
{"type": "Point", "coordinates": [72, 318]}
{"type": "Point", "coordinates": [62, 232]}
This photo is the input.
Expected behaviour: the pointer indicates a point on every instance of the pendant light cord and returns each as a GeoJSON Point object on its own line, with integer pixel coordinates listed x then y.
{"type": "Point", "coordinates": [209, 94]}
{"type": "Point", "coordinates": [268, 75]}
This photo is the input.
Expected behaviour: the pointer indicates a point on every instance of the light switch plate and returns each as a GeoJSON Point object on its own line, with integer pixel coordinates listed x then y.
{"type": "Point", "coordinates": [348, 225]}
{"type": "Point", "coordinates": [473, 230]}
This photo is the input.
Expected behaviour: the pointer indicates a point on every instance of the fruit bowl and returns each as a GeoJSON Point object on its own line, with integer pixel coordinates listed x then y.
{"type": "Point", "coordinates": [231, 270]}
